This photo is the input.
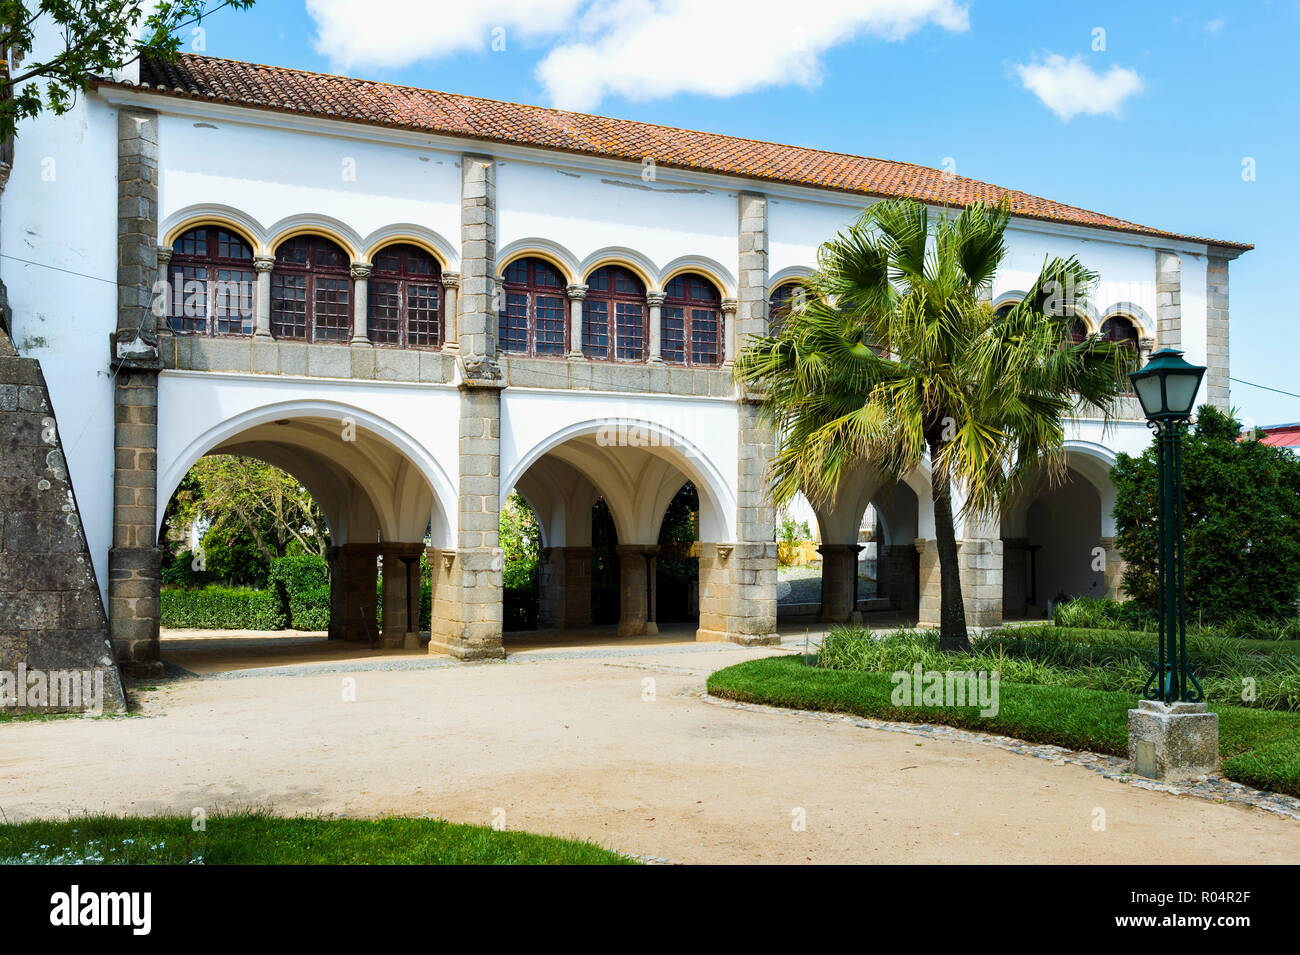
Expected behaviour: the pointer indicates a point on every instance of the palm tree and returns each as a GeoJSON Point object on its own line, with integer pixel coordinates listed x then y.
{"type": "Point", "coordinates": [892, 350]}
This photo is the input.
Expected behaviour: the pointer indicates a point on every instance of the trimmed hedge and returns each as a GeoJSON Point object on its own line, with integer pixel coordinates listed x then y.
{"type": "Point", "coordinates": [221, 608]}
{"type": "Point", "coordinates": [297, 581]}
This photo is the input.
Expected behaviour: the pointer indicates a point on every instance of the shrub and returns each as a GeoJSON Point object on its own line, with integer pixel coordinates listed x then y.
{"type": "Point", "coordinates": [291, 579]}
{"type": "Point", "coordinates": [310, 609]}
{"type": "Point", "coordinates": [221, 608]}
{"type": "Point", "coordinates": [1241, 511]}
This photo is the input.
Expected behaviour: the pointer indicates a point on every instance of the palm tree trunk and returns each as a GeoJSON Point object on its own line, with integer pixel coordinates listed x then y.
{"type": "Point", "coordinates": [952, 611]}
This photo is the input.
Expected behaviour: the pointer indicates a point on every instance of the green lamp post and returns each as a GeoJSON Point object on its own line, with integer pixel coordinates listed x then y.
{"type": "Point", "coordinates": [1166, 387]}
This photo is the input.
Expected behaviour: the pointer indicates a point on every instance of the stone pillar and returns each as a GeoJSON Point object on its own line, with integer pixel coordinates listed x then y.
{"type": "Point", "coordinates": [263, 264]}
{"type": "Point", "coordinates": [577, 586]}
{"type": "Point", "coordinates": [729, 337]}
{"type": "Point", "coordinates": [477, 324]}
{"type": "Point", "coordinates": [738, 579]}
{"type": "Point", "coordinates": [577, 295]}
{"type": "Point", "coordinates": [898, 570]}
{"type": "Point", "coordinates": [652, 589]}
{"type": "Point", "coordinates": [360, 302]}
{"type": "Point", "coordinates": [839, 581]}
{"type": "Point", "coordinates": [655, 301]}
{"type": "Point", "coordinates": [550, 589]}
{"type": "Point", "coordinates": [468, 593]}
{"type": "Point", "coordinates": [634, 590]}
{"type": "Point", "coordinates": [930, 596]}
{"type": "Point", "coordinates": [353, 593]}
{"type": "Point", "coordinates": [1169, 299]}
{"type": "Point", "coordinates": [450, 286]}
{"type": "Point", "coordinates": [1145, 347]}
{"type": "Point", "coordinates": [135, 560]}
{"type": "Point", "coordinates": [401, 596]}
{"type": "Point", "coordinates": [1216, 333]}
{"type": "Point", "coordinates": [980, 562]}
{"type": "Point", "coordinates": [1015, 576]}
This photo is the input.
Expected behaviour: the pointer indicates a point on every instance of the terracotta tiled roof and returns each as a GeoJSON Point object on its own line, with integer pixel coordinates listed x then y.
{"type": "Point", "coordinates": [469, 117]}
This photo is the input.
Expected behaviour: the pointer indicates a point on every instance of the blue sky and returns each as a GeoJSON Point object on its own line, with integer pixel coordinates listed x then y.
{"type": "Point", "coordinates": [1179, 97]}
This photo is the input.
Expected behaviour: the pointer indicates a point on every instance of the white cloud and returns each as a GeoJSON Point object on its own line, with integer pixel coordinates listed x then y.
{"type": "Point", "coordinates": [395, 33]}
{"type": "Point", "coordinates": [1070, 87]}
{"type": "Point", "coordinates": [642, 50]}
{"type": "Point", "coordinates": [639, 49]}
{"type": "Point", "coordinates": [1216, 25]}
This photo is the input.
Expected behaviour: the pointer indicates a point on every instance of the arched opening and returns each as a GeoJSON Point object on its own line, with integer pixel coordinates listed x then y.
{"type": "Point", "coordinates": [1054, 545]}
{"type": "Point", "coordinates": [624, 512]}
{"type": "Point", "coordinates": [614, 316]}
{"type": "Point", "coordinates": [367, 588]}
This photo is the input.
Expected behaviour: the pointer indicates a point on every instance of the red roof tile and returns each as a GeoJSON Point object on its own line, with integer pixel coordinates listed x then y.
{"type": "Point", "coordinates": [449, 114]}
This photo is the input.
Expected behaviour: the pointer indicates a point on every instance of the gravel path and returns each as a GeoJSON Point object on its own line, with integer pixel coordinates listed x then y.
{"type": "Point", "coordinates": [617, 746]}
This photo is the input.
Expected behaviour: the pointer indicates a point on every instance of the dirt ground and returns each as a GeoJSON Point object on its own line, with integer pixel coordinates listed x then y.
{"type": "Point", "coordinates": [611, 744]}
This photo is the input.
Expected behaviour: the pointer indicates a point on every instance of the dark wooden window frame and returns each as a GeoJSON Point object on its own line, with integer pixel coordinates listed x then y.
{"type": "Point", "coordinates": [778, 306]}
{"type": "Point", "coordinates": [408, 282]}
{"type": "Point", "coordinates": [531, 290]}
{"type": "Point", "coordinates": [211, 261]}
{"type": "Point", "coordinates": [695, 311]}
{"type": "Point", "coordinates": [315, 277]}
{"type": "Point", "coordinates": [611, 298]}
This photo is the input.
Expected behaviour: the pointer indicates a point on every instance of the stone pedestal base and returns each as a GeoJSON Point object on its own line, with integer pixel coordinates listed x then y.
{"type": "Point", "coordinates": [738, 593]}
{"type": "Point", "coordinates": [467, 604]}
{"type": "Point", "coordinates": [839, 582]}
{"type": "Point", "coordinates": [1173, 741]}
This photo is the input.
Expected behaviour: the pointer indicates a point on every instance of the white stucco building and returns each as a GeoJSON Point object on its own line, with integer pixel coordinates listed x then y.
{"type": "Point", "coordinates": [436, 300]}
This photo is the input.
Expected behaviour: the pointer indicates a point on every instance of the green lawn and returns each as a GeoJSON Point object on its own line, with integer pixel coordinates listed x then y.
{"type": "Point", "coordinates": [1259, 747]}
{"type": "Point", "coordinates": [261, 839]}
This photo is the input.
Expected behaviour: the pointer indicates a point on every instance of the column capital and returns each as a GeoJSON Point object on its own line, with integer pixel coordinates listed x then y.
{"type": "Point", "coordinates": [729, 306]}
{"type": "Point", "coordinates": [164, 255]}
{"type": "Point", "coordinates": [577, 292]}
{"type": "Point", "coordinates": [451, 280]}
{"type": "Point", "coordinates": [263, 263]}
{"type": "Point", "coordinates": [361, 270]}
{"type": "Point", "coordinates": [655, 299]}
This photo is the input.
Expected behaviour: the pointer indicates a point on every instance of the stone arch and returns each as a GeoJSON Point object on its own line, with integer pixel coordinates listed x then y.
{"type": "Point", "coordinates": [311, 223]}
{"type": "Point", "coordinates": [552, 252]}
{"type": "Point", "coordinates": [446, 254]}
{"type": "Point", "coordinates": [359, 460]}
{"type": "Point", "coordinates": [717, 499]}
{"type": "Point", "coordinates": [639, 264]}
{"type": "Point", "coordinates": [1135, 313]}
{"type": "Point", "coordinates": [791, 273]}
{"type": "Point", "coordinates": [712, 269]}
{"type": "Point", "coordinates": [229, 217]}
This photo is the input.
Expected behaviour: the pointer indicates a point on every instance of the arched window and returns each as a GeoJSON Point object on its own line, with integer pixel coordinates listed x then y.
{"type": "Point", "coordinates": [404, 298]}
{"type": "Point", "coordinates": [1076, 331]}
{"type": "Point", "coordinates": [311, 290]}
{"type": "Point", "coordinates": [1117, 328]}
{"type": "Point", "coordinates": [691, 332]}
{"type": "Point", "coordinates": [778, 306]}
{"type": "Point", "coordinates": [212, 283]}
{"type": "Point", "coordinates": [614, 315]}
{"type": "Point", "coordinates": [534, 316]}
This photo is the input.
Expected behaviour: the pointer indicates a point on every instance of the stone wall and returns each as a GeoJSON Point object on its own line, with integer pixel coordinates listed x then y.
{"type": "Point", "coordinates": [51, 614]}
{"type": "Point", "coordinates": [1169, 300]}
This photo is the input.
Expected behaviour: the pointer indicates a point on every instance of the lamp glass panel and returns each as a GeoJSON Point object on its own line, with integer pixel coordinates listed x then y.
{"type": "Point", "coordinates": [1148, 392]}
{"type": "Point", "coordinates": [1181, 391]}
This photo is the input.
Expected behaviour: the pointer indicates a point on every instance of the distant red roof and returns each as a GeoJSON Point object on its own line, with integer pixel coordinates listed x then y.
{"type": "Point", "coordinates": [1281, 435]}
{"type": "Point", "coordinates": [450, 114]}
